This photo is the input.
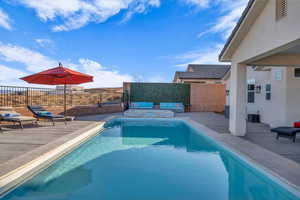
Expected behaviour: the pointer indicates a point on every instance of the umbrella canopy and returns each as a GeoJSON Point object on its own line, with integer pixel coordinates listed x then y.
{"type": "Point", "coordinates": [58, 76]}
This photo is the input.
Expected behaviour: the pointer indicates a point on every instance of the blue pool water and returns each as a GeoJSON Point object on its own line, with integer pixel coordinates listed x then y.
{"type": "Point", "coordinates": [150, 159]}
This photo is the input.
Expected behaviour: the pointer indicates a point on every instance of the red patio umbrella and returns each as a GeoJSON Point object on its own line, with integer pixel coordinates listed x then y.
{"type": "Point", "coordinates": [59, 76]}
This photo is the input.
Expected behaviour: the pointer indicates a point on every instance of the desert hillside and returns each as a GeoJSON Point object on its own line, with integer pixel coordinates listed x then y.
{"type": "Point", "coordinates": [49, 97]}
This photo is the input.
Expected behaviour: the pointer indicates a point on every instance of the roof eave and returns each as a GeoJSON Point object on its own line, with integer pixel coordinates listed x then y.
{"type": "Point", "coordinates": [224, 56]}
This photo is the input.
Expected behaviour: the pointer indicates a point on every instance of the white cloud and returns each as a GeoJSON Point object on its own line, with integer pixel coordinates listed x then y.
{"type": "Point", "coordinates": [225, 23]}
{"type": "Point", "coordinates": [34, 61]}
{"type": "Point", "coordinates": [103, 77]}
{"type": "Point", "coordinates": [198, 3]}
{"type": "Point", "coordinates": [78, 13]}
{"type": "Point", "coordinates": [232, 10]}
{"type": "Point", "coordinates": [4, 20]}
{"type": "Point", "coordinates": [156, 79]}
{"type": "Point", "coordinates": [9, 76]}
{"type": "Point", "coordinates": [207, 56]}
{"type": "Point", "coordinates": [140, 7]}
{"type": "Point", "coordinates": [44, 42]}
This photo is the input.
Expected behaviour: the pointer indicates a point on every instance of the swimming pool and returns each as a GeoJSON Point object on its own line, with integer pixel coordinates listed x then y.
{"type": "Point", "coordinates": [155, 159]}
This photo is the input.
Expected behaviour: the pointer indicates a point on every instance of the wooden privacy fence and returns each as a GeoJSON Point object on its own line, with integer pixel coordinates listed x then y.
{"type": "Point", "coordinates": [208, 97]}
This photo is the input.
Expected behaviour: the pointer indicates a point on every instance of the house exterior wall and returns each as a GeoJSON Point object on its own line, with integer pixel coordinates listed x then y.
{"type": "Point", "coordinates": [283, 108]}
{"type": "Point", "coordinates": [272, 111]}
{"type": "Point", "coordinates": [266, 36]}
{"type": "Point", "coordinates": [293, 97]}
{"type": "Point", "coordinates": [267, 33]}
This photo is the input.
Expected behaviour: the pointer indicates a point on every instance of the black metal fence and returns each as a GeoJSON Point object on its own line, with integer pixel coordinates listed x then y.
{"type": "Point", "coordinates": [22, 96]}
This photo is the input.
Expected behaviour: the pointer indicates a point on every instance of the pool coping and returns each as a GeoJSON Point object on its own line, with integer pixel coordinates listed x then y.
{"type": "Point", "coordinates": [15, 171]}
{"type": "Point", "coordinates": [284, 169]}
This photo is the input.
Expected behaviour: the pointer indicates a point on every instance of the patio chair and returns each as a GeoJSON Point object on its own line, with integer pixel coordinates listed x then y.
{"type": "Point", "coordinates": [41, 113]}
{"type": "Point", "coordinates": [8, 114]}
{"type": "Point", "coordinates": [141, 105]}
{"type": "Point", "coordinates": [287, 132]}
{"type": "Point", "coordinates": [176, 107]}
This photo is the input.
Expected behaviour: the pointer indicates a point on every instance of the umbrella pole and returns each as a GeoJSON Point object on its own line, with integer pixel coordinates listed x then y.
{"type": "Point", "coordinates": [65, 100]}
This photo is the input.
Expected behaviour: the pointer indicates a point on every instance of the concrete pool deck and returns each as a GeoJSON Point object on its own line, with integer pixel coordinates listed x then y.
{"type": "Point", "coordinates": [15, 142]}
{"type": "Point", "coordinates": [257, 133]}
{"type": "Point", "coordinates": [286, 170]}
{"type": "Point", "coordinates": [20, 146]}
{"type": "Point", "coordinates": [18, 169]}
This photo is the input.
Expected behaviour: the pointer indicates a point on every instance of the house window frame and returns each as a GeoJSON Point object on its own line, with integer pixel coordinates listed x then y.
{"type": "Point", "coordinates": [294, 73]}
{"type": "Point", "coordinates": [268, 92]}
{"type": "Point", "coordinates": [281, 9]}
{"type": "Point", "coordinates": [251, 90]}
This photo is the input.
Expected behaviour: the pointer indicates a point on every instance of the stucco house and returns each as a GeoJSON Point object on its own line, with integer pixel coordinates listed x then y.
{"type": "Point", "coordinates": [264, 51]}
{"type": "Point", "coordinates": [207, 74]}
{"type": "Point", "coordinates": [266, 90]}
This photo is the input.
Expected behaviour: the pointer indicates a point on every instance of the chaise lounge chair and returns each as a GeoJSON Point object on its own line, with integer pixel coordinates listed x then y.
{"type": "Point", "coordinates": [40, 113]}
{"type": "Point", "coordinates": [141, 105]}
{"type": "Point", "coordinates": [176, 107]}
{"type": "Point", "coordinates": [8, 114]}
{"type": "Point", "coordinates": [287, 132]}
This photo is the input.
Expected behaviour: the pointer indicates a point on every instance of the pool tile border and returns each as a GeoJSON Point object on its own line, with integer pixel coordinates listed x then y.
{"type": "Point", "coordinates": [286, 170]}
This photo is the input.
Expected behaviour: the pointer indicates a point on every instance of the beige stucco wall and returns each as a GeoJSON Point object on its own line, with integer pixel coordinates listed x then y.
{"type": "Point", "coordinates": [272, 111]}
{"type": "Point", "coordinates": [267, 34]}
{"type": "Point", "coordinates": [283, 109]}
{"type": "Point", "coordinates": [266, 37]}
{"type": "Point", "coordinates": [293, 97]}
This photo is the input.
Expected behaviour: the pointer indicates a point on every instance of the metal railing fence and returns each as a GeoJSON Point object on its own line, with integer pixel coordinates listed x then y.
{"type": "Point", "coordinates": [22, 96]}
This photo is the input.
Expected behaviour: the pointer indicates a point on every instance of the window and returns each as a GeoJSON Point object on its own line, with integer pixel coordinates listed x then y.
{"type": "Point", "coordinates": [281, 9]}
{"type": "Point", "coordinates": [251, 93]}
{"type": "Point", "coordinates": [278, 74]}
{"type": "Point", "coordinates": [268, 92]}
{"type": "Point", "coordinates": [297, 72]}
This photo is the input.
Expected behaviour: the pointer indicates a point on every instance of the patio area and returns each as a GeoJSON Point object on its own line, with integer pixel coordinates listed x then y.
{"type": "Point", "coordinates": [257, 133]}
{"type": "Point", "coordinates": [15, 141]}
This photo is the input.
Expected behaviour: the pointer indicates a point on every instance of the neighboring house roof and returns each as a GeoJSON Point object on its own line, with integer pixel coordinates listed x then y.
{"type": "Point", "coordinates": [204, 72]}
{"type": "Point", "coordinates": [251, 12]}
{"type": "Point", "coordinates": [227, 76]}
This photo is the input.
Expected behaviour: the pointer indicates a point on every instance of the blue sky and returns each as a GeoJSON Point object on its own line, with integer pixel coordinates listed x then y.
{"type": "Point", "coordinates": [113, 40]}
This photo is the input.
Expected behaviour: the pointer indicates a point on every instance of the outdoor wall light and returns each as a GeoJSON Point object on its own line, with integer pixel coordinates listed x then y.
{"type": "Point", "coordinates": [227, 92]}
{"type": "Point", "coordinates": [257, 89]}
